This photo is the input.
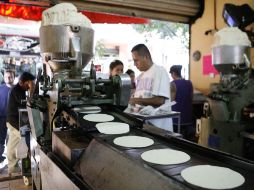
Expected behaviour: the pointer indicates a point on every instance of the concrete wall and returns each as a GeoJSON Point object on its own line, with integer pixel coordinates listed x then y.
{"type": "Point", "coordinates": [211, 19]}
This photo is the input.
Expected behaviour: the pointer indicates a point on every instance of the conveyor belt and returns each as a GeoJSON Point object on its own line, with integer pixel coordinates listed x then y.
{"type": "Point", "coordinates": [90, 126]}
{"type": "Point", "coordinates": [199, 155]}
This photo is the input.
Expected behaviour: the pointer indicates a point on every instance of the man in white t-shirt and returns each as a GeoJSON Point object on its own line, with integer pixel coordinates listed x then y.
{"type": "Point", "coordinates": [152, 85]}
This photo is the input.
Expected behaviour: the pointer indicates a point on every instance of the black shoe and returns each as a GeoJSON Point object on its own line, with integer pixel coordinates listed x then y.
{"type": "Point", "coordinates": [2, 158]}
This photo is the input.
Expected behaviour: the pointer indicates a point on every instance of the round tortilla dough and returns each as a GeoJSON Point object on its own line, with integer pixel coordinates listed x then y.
{"type": "Point", "coordinates": [212, 177]}
{"type": "Point", "coordinates": [98, 117]}
{"type": "Point", "coordinates": [88, 109]}
{"type": "Point", "coordinates": [165, 156]}
{"type": "Point", "coordinates": [133, 141]}
{"type": "Point", "coordinates": [112, 128]}
{"type": "Point", "coordinates": [91, 111]}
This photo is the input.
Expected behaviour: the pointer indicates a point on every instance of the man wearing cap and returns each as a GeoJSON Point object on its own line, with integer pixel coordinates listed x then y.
{"type": "Point", "coordinates": [17, 94]}
{"type": "Point", "coordinates": [182, 92]}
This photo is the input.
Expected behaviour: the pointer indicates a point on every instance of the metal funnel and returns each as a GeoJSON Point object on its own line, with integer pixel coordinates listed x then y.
{"type": "Point", "coordinates": [231, 59]}
{"type": "Point", "coordinates": [67, 47]}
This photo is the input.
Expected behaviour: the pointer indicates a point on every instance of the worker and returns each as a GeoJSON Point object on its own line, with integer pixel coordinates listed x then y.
{"type": "Point", "coordinates": [4, 93]}
{"type": "Point", "coordinates": [182, 94]}
{"type": "Point", "coordinates": [16, 96]}
{"type": "Point", "coordinates": [115, 68]}
{"type": "Point", "coordinates": [131, 73]}
{"type": "Point", "coordinates": [152, 85]}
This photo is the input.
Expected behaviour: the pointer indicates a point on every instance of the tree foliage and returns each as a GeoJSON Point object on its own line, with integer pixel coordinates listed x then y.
{"type": "Point", "coordinates": [99, 49]}
{"type": "Point", "coordinates": [165, 30]}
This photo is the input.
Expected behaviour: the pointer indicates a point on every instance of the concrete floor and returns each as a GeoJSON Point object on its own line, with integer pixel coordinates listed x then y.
{"type": "Point", "coordinates": [14, 182]}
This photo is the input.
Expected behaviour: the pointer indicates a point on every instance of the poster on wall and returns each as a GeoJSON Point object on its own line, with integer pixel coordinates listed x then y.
{"type": "Point", "coordinates": [208, 67]}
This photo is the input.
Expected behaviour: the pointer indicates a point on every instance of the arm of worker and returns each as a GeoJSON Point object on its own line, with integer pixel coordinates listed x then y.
{"type": "Point", "coordinates": [192, 94]}
{"type": "Point", "coordinates": [173, 91]}
{"type": "Point", "coordinates": [154, 101]}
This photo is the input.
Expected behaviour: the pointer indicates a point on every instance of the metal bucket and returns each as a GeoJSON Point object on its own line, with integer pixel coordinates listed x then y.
{"type": "Point", "coordinates": [229, 59]}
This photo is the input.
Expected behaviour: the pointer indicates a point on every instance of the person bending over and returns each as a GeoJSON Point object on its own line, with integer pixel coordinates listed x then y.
{"type": "Point", "coordinates": [16, 97]}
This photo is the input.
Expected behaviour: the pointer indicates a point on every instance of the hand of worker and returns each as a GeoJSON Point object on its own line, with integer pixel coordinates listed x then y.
{"type": "Point", "coordinates": [134, 101]}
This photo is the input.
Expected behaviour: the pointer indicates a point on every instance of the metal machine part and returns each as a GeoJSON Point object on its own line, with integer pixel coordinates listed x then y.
{"type": "Point", "coordinates": [67, 55]}
{"type": "Point", "coordinates": [62, 83]}
{"type": "Point", "coordinates": [221, 135]}
{"type": "Point", "coordinates": [52, 176]}
{"type": "Point", "coordinates": [69, 145]}
{"type": "Point", "coordinates": [110, 162]}
{"type": "Point", "coordinates": [66, 50]}
{"type": "Point", "coordinates": [224, 121]}
{"type": "Point", "coordinates": [70, 49]}
{"type": "Point", "coordinates": [82, 158]}
{"type": "Point", "coordinates": [225, 63]}
{"type": "Point", "coordinates": [100, 164]}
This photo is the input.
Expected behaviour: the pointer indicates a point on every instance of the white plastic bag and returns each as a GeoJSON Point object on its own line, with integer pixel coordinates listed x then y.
{"type": "Point", "coordinates": [148, 110]}
{"type": "Point", "coordinates": [164, 109]}
{"type": "Point", "coordinates": [22, 149]}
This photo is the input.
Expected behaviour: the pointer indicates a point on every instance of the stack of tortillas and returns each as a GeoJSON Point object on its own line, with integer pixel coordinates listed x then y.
{"type": "Point", "coordinates": [212, 177]}
{"type": "Point", "coordinates": [133, 141]}
{"type": "Point", "coordinates": [165, 156]}
{"type": "Point", "coordinates": [104, 126]}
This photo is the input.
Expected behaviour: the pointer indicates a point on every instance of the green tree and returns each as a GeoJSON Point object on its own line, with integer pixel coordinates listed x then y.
{"type": "Point", "coordinates": [99, 49]}
{"type": "Point", "coordinates": [165, 30]}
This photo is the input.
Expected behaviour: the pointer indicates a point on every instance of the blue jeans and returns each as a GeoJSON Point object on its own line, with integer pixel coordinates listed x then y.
{"type": "Point", "coordinates": [3, 134]}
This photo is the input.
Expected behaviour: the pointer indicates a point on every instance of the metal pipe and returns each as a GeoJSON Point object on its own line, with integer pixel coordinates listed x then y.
{"type": "Point", "coordinates": [105, 81]}
{"type": "Point", "coordinates": [74, 81]}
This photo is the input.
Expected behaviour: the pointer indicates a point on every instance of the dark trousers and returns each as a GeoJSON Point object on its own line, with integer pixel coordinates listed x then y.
{"type": "Point", "coordinates": [188, 131]}
{"type": "Point", "coordinates": [3, 134]}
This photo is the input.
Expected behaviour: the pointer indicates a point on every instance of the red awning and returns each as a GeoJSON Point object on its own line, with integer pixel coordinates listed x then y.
{"type": "Point", "coordinates": [20, 11]}
{"type": "Point", "coordinates": [35, 13]}
{"type": "Point", "coordinates": [113, 19]}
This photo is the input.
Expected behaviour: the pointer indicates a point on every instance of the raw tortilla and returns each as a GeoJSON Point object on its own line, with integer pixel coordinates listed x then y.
{"type": "Point", "coordinates": [112, 128]}
{"type": "Point", "coordinates": [165, 156]}
{"type": "Point", "coordinates": [98, 117]}
{"type": "Point", "coordinates": [133, 141]}
{"type": "Point", "coordinates": [212, 177]}
{"type": "Point", "coordinates": [89, 109]}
